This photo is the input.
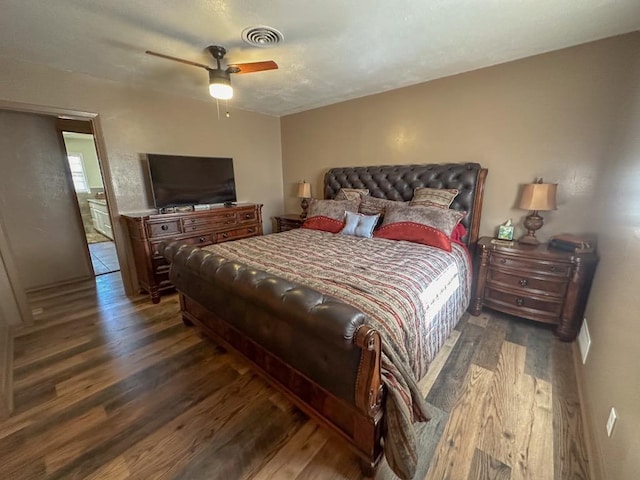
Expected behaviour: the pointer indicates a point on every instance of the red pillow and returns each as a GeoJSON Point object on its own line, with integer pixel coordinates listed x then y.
{"type": "Point", "coordinates": [458, 232]}
{"type": "Point", "coordinates": [415, 232]}
{"type": "Point", "coordinates": [325, 224]}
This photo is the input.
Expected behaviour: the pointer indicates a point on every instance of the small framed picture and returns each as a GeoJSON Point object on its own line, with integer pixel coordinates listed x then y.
{"type": "Point", "coordinates": [505, 232]}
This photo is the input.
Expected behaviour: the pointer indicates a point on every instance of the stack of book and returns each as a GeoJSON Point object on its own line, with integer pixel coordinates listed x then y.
{"type": "Point", "coordinates": [573, 243]}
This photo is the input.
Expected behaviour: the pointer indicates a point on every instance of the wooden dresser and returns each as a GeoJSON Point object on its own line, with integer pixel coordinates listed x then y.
{"type": "Point", "coordinates": [534, 282]}
{"type": "Point", "coordinates": [289, 221]}
{"type": "Point", "coordinates": [203, 227]}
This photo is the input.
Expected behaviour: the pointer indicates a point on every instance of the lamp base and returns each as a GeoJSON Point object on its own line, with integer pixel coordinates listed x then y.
{"type": "Point", "coordinates": [532, 223]}
{"type": "Point", "coordinates": [528, 240]}
{"type": "Point", "coordinates": [304, 204]}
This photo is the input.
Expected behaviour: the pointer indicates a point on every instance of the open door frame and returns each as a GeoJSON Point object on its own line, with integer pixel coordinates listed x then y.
{"type": "Point", "coordinates": [119, 235]}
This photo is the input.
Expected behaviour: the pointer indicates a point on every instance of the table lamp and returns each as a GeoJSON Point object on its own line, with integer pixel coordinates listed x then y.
{"type": "Point", "coordinates": [536, 196]}
{"type": "Point", "coordinates": [304, 192]}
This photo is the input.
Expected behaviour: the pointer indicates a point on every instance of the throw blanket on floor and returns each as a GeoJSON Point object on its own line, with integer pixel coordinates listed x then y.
{"type": "Point", "coordinates": [413, 295]}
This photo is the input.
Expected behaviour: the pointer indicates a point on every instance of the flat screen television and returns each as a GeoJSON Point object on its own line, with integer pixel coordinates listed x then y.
{"type": "Point", "coordinates": [179, 180]}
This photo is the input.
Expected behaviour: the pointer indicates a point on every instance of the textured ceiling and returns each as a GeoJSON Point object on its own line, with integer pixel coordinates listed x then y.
{"type": "Point", "coordinates": [332, 51]}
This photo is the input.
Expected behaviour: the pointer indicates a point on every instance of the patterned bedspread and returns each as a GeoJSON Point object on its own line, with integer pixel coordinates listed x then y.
{"type": "Point", "coordinates": [413, 295]}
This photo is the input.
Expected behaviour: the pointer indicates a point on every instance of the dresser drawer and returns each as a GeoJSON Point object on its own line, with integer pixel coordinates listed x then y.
{"type": "Point", "coordinates": [199, 240]}
{"type": "Point", "coordinates": [528, 282]}
{"type": "Point", "coordinates": [530, 265]}
{"type": "Point", "coordinates": [245, 216]}
{"type": "Point", "coordinates": [205, 239]}
{"type": "Point", "coordinates": [236, 234]}
{"type": "Point", "coordinates": [161, 229]}
{"type": "Point", "coordinates": [524, 305]}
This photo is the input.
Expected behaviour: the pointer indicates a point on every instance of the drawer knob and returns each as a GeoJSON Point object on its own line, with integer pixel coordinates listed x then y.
{"type": "Point", "coordinates": [250, 230]}
{"type": "Point", "coordinates": [224, 235]}
{"type": "Point", "coordinates": [524, 282]}
{"type": "Point", "coordinates": [247, 215]}
{"type": "Point", "coordinates": [503, 260]}
{"type": "Point", "coordinates": [553, 269]}
{"type": "Point", "coordinates": [201, 239]}
{"type": "Point", "coordinates": [165, 227]}
{"type": "Point", "coordinates": [519, 301]}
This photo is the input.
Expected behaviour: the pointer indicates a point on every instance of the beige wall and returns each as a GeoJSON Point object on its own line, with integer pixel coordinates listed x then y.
{"type": "Point", "coordinates": [611, 375]}
{"type": "Point", "coordinates": [135, 121]}
{"type": "Point", "coordinates": [546, 116]}
{"type": "Point", "coordinates": [38, 203]}
{"type": "Point", "coordinates": [86, 146]}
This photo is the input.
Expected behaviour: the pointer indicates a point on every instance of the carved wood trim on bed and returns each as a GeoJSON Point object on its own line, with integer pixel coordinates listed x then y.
{"type": "Point", "coordinates": [369, 390]}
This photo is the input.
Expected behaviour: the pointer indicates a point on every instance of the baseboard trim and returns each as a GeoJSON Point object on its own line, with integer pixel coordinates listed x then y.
{"type": "Point", "coordinates": [6, 372]}
{"type": "Point", "coordinates": [41, 288]}
{"type": "Point", "coordinates": [596, 466]}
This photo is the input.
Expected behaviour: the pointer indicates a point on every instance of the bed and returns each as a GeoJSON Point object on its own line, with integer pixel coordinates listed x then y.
{"type": "Point", "coordinates": [319, 314]}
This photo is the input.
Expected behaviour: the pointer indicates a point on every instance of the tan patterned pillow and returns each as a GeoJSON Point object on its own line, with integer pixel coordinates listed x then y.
{"type": "Point", "coordinates": [334, 209]}
{"type": "Point", "coordinates": [351, 193]}
{"type": "Point", "coordinates": [377, 206]}
{"type": "Point", "coordinates": [443, 219]}
{"type": "Point", "coordinates": [433, 197]}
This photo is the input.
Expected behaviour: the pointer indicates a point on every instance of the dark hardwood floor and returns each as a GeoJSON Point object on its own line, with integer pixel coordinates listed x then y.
{"type": "Point", "coordinates": [107, 387]}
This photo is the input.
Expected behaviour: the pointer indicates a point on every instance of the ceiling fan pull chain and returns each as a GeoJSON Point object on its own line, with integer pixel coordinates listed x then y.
{"type": "Point", "coordinates": [228, 115]}
{"type": "Point", "coordinates": [218, 108]}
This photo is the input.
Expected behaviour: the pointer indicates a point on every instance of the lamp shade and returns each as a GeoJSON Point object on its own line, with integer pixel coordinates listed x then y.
{"type": "Point", "coordinates": [538, 196]}
{"type": "Point", "coordinates": [304, 190]}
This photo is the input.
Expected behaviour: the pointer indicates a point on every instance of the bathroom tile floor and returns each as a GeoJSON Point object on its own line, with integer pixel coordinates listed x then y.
{"type": "Point", "coordinates": [104, 257]}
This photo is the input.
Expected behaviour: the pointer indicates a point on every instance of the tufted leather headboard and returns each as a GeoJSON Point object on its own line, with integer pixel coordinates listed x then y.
{"type": "Point", "coordinates": [397, 182]}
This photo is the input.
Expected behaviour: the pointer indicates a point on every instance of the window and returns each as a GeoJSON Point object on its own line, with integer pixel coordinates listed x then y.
{"type": "Point", "coordinates": [76, 165]}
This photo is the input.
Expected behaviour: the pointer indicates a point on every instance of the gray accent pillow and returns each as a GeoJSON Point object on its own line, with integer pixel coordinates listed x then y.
{"type": "Point", "coordinates": [376, 206]}
{"type": "Point", "coordinates": [332, 208]}
{"type": "Point", "coordinates": [433, 197]}
{"type": "Point", "coordinates": [443, 219]}
{"type": "Point", "coordinates": [359, 225]}
{"type": "Point", "coordinates": [351, 194]}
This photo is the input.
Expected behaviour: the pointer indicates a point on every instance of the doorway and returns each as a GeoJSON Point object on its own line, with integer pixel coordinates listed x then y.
{"type": "Point", "coordinates": [86, 174]}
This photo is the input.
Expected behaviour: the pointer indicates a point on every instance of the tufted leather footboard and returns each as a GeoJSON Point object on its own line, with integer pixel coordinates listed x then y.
{"type": "Point", "coordinates": [317, 349]}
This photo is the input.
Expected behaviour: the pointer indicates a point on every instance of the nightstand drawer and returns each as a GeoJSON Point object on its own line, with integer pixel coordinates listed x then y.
{"type": "Point", "coordinates": [288, 222]}
{"type": "Point", "coordinates": [528, 283]}
{"type": "Point", "coordinates": [287, 225]}
{"type": "Point", "coordinates": [524, 305]}
{"type": "Point", "coordinates": [530, 265]}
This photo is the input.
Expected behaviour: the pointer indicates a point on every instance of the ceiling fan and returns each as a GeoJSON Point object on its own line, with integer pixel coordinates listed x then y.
{"type": "Point", "coordinates": [219, 78]}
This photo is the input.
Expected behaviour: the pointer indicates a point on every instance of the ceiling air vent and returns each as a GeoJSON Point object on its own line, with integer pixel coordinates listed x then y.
{"type": "Point", "coordinates": [262, 36]}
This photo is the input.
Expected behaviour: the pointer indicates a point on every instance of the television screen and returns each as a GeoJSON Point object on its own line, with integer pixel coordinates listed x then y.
{"type": "Point", "coordinates": [180, 180]}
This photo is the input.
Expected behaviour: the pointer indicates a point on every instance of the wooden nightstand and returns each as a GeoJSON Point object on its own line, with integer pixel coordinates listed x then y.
{"type": "Point", "coordinates": [288, 222]}
{"type": "Point", "coordinates": [534, 282]}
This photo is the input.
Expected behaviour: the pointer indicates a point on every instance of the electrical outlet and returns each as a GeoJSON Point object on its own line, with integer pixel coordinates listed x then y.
{"type": "Point", "coordinates": [611, 421]}
{"type": "Point", "coordinates": [584, 341]}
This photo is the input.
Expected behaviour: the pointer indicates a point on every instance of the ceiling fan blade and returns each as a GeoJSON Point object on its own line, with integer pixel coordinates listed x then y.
{"type": "Point", "coordinates": [181, 60]}
{"type": "Point", "coordinates": [252, 67]}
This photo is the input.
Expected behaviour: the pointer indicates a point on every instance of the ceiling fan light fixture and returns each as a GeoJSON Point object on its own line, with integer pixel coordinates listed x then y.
{"type": "Point", "coordinates": [220, 85]}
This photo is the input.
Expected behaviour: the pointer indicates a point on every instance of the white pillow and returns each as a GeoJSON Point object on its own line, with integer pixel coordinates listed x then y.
{"type": "Point", "coordinates": [359, 225]}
